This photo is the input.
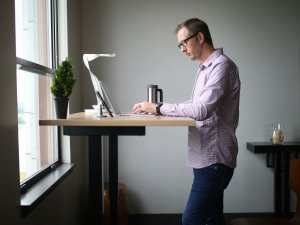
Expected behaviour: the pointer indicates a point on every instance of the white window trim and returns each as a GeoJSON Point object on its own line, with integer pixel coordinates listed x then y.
{"type": "Point", "coordinates": [63, 53]}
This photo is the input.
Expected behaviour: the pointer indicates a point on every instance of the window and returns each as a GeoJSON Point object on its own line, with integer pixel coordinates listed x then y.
{"type": "Point", "coordinates": [36, 56]}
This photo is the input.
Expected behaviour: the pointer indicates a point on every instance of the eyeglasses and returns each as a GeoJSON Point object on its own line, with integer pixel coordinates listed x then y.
{"type": "Point", "coordinates": [184, 42]}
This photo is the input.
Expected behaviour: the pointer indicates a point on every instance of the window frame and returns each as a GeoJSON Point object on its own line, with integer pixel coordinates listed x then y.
{"type": "Point", "coordinates": [36, 188]}
{"type": "Point", "coordinates": [40, 70]}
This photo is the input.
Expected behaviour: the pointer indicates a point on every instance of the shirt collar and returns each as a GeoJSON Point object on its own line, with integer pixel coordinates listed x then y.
{"type": "Point", "coordinates": [211, 58]}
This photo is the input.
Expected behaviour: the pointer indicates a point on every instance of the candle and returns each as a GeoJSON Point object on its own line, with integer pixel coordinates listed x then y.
{"type": "Point", "coordinates": [277, 137]}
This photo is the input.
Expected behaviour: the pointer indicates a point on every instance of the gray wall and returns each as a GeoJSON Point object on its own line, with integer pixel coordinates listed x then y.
{"type": "Point", "coordinates": [260, 36]}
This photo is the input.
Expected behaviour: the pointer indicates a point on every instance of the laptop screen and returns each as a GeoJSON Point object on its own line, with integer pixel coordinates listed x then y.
{"type": "Point", "coordinates": [97, 85]}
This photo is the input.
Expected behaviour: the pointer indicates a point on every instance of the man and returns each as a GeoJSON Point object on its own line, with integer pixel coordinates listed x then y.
{"type": "Point", "coordinates": [214, 105]}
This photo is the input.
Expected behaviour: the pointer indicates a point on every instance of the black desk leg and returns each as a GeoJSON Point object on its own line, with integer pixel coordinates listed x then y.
{"type": "Point", "coordinates": [277, 184]}
{"type": "Point", "coordinates": [113, 179]}
{"type": "Point", "coordinates": [286, 189]}
{"type": "Point", "coordinates": [95, 180]}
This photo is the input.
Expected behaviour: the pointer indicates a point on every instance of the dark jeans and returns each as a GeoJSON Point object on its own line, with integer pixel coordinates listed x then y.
{"type": "Point", "coordinates": [205, 203]}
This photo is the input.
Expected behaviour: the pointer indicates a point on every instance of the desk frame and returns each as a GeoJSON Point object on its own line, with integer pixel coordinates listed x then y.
{"type": "Point", "coordinates": [95, 166]}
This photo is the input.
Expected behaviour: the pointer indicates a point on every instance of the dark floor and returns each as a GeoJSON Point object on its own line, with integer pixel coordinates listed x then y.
{"type": "Point", "coordinates": [175, 219]}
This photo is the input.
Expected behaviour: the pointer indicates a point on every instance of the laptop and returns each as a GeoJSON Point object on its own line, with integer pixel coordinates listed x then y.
{"type": "Point", "coordinates": [109, 104]}
{"type": "Point", "coordinates": [101, 93]}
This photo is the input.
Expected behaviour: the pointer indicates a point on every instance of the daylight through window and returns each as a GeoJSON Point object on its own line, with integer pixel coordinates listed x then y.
{"type": "Point", "coordinates": [38, 146]}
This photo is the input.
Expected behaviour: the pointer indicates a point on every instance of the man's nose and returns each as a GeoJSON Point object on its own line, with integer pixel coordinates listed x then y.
{"type": "Point", "coordinates": [182, 48]}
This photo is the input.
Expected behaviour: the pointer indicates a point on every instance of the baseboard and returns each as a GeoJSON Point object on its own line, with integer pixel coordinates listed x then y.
{"type": "Point", "coordinates": [175, 219]}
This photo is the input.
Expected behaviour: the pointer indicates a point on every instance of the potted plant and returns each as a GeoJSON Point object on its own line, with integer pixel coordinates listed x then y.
{"type": "Point", "coordinates": [62, 87]}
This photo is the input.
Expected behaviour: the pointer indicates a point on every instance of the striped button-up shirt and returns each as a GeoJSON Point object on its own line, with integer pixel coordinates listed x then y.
{"type": "Point", "coordinates": [214, 105]}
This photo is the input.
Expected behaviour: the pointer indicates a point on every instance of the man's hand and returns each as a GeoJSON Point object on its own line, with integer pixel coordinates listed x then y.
{"type": "Point", "coordinates": [144, 107]}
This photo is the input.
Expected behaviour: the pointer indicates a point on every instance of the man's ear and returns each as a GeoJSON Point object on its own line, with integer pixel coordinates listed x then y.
{"type": "Point", "coordinates": [200, 37]}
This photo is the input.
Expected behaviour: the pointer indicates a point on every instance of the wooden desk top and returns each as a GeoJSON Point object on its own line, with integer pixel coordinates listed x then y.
{"type": "Point", "coordinates": [88, 119]}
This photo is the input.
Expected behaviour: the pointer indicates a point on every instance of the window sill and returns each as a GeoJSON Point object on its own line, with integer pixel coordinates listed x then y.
{"type": "Point", "coordinates": [35, 194]}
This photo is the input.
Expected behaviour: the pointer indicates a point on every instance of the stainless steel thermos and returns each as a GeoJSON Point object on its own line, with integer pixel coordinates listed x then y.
{"type": "Point", "coordinates": [153, 91]}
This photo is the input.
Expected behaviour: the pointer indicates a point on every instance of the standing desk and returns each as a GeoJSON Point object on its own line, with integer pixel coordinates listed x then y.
{"type": "Point", "coordinates": [84, 124]}
{"type": "Point", "coordinates": [278, 157]}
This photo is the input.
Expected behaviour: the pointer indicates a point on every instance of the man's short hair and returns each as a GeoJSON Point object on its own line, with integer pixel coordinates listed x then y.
{"type": "Point", "coordinates": [195, 26]}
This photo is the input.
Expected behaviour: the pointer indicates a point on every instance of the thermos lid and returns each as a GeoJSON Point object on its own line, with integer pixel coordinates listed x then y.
{"type": "Point", "coordinates": [152, 86]}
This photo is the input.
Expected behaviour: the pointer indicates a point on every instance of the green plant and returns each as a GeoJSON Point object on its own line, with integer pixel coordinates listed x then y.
{"type": "Point", "coordinates": [63, 80]}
